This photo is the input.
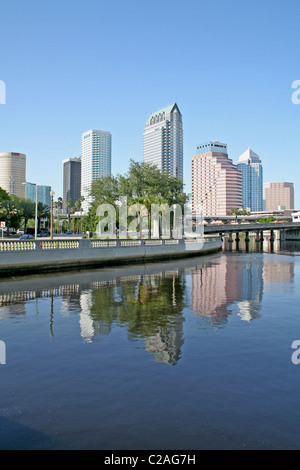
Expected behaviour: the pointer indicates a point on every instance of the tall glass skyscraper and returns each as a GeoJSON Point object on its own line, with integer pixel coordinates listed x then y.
{"type": "Point", "coordinates": [95, 161]}
{"type": "Point", "coordinates": [163, 140]}
{"type": "Point", "coordinates": [41, 192]}
{"type": "Point", "coordinates": [250, 165]}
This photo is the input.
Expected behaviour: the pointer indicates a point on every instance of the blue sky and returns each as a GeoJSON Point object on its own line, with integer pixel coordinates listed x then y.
{"type": "Point", "coordinates": [72, 66]}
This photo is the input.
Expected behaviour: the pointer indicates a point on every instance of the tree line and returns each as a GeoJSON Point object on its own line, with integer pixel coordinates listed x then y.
{"type": "Point", "coordinates": [16, 212]}
{"type": "Point", "coordinates": [144, 184]}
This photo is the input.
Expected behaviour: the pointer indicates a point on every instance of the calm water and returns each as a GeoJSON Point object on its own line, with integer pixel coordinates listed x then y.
{"type": "Point", "coordinates": [192, 354]}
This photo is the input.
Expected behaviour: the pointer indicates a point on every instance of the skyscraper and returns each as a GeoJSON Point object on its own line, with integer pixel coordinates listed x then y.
{"type": "Point", "coordinates": [278, 195]}
{"type": "Point", "coordinates": [95, 161]}
{"type": "Point", "coordinates": [163, 140]}
{"type": "Point", "coordinates": [250, 165]}
{"type": "Point", "coordinates": [41, 192]}
{"type": "Point", "coordinates": [216, 181]}
{"type": "Point", "coordinates": [72, 181]}
{"type": "Point", "coordinates": [13, 173]}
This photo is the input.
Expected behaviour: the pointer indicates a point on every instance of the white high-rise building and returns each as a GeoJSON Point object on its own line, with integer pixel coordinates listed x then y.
{"type": "Point", "coordinates": [163, 140]}
{"type": "Point", "coordinates": [95, 161]}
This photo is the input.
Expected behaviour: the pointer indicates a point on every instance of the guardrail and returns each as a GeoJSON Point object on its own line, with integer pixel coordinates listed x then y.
{"type": "Point", "coordinates": [75, 244]}
{"type": "Point", "coordinates": [25, 256]}
{"type": "Point", "coordinates": [17, 246]}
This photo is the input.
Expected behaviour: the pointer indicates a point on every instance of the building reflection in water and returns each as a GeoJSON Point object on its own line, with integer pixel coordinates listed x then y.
{"type": "Point", "coordinates": [230, 285]}
{"type": "Point", "coordinates": [150, 303]}
{"type": "Point", "coordinates": [148, 306]}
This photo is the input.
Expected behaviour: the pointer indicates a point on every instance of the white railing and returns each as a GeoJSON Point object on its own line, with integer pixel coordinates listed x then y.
{"type": "Point", "coordinates": [41, 245]}
{"type": "Point", "coordinates": [59, 244]}
{"type": "Point", "coordinates": [17, 246]}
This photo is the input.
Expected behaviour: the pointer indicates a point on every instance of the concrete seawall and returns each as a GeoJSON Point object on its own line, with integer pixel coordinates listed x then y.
{"type": "Point", "coordinates": [22, 256]}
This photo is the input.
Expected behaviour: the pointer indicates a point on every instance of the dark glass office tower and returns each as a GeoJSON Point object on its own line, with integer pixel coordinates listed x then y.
{"type": "Point", "coordinates": [72, 181]}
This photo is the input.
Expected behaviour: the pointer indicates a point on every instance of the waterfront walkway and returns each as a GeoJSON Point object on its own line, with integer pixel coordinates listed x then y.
{"type": "Point", "coordinates": [24, 256]}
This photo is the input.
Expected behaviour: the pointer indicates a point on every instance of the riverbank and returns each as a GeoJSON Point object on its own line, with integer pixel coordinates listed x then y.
{"type": "Point", "coordinates": [24, 257]}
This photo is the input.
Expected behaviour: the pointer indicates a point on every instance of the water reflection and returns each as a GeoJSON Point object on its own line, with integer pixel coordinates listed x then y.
{"type": "Point", "coordinates": [153, 301]}
{"type": "Point", "coordinates": [149, 306]}
{"type": "Point", "coordinates": [227, 283]}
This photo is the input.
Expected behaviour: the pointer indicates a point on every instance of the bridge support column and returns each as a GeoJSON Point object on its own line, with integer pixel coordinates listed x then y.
{"type": "Point", "coordinates": [261, 236]}
{"type": "Point", "coordinates": [230, 240]}
{"type": "Point", "coordinates": [257, 239]}
{"type": "Point", "coordinates": [247, 238]}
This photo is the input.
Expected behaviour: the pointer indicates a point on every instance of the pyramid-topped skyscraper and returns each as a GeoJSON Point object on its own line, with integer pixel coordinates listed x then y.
{"type": "Point", "coordinates": [250, 165]}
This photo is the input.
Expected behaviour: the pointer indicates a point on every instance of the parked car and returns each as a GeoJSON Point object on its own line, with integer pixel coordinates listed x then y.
{"type": "Point", "coordinates": [43, 233]}
{"type": "Point", "coordinates": [69, 232]}
{"type": "Point", "coordinates": [27, 236]}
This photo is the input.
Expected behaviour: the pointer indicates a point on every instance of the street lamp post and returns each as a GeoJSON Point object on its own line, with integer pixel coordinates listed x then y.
{"type": "Point", "coordinates": [36, 210]}
{"type": "Point", "coordinates": [51, 226]}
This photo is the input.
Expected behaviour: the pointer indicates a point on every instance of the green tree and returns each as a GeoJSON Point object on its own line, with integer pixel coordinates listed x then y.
{"type": "Point", "coordinates": [10, 214]}
{"type": "Point", "coordinates": [144, 184]}
{"type": "Point", "coordinates": [3, 195]}
{"type": "Point", "coordinates": [27, 210]}
{"type": "Point", "coordinates": [69, 209]}
{"type": "Point", "coordinates": [57, 224]}
{"type": "Point", "coordinates": [78, 207]}
{"type": "Point", "coordinates": [43, 212]}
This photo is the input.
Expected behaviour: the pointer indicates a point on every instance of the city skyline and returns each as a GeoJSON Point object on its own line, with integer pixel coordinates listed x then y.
{"type": "Point", "coordinates": [244, 100]}
{"type": "Point", "coordinates": [97, 159]}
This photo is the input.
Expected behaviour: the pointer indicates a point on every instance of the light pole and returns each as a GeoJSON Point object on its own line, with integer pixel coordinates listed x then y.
{"type": "Point", "coordinates": [51, 224]}
{"type": "Point", "coordinates": [36, 209]}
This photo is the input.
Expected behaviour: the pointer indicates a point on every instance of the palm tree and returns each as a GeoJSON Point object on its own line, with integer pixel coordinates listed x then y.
{"type": "Point", "coordinates": [235, 212]}
{"type": "Point", "coordinates": [78, 207]}
{"type": "Point", "coordinates": [27, 211]}
{"type": "Point", "coordinates": [43, 212]}
{"type": "Point", "coordinates": [69, 208]}
{"type": "Point", "coordinates": [8, 211]}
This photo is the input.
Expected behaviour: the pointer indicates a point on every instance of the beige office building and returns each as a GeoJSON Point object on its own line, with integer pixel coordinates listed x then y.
{"type": "Point", "coordinates": [13, 173]}
{"type": "Point", "coordinates": [278, 195]}
{"type": "Point", "coordinates": [216, 181]}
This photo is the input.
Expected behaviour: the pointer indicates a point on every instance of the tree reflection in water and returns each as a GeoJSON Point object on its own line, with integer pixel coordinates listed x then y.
{"type": "Point", "coordinates": [150, 308]}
